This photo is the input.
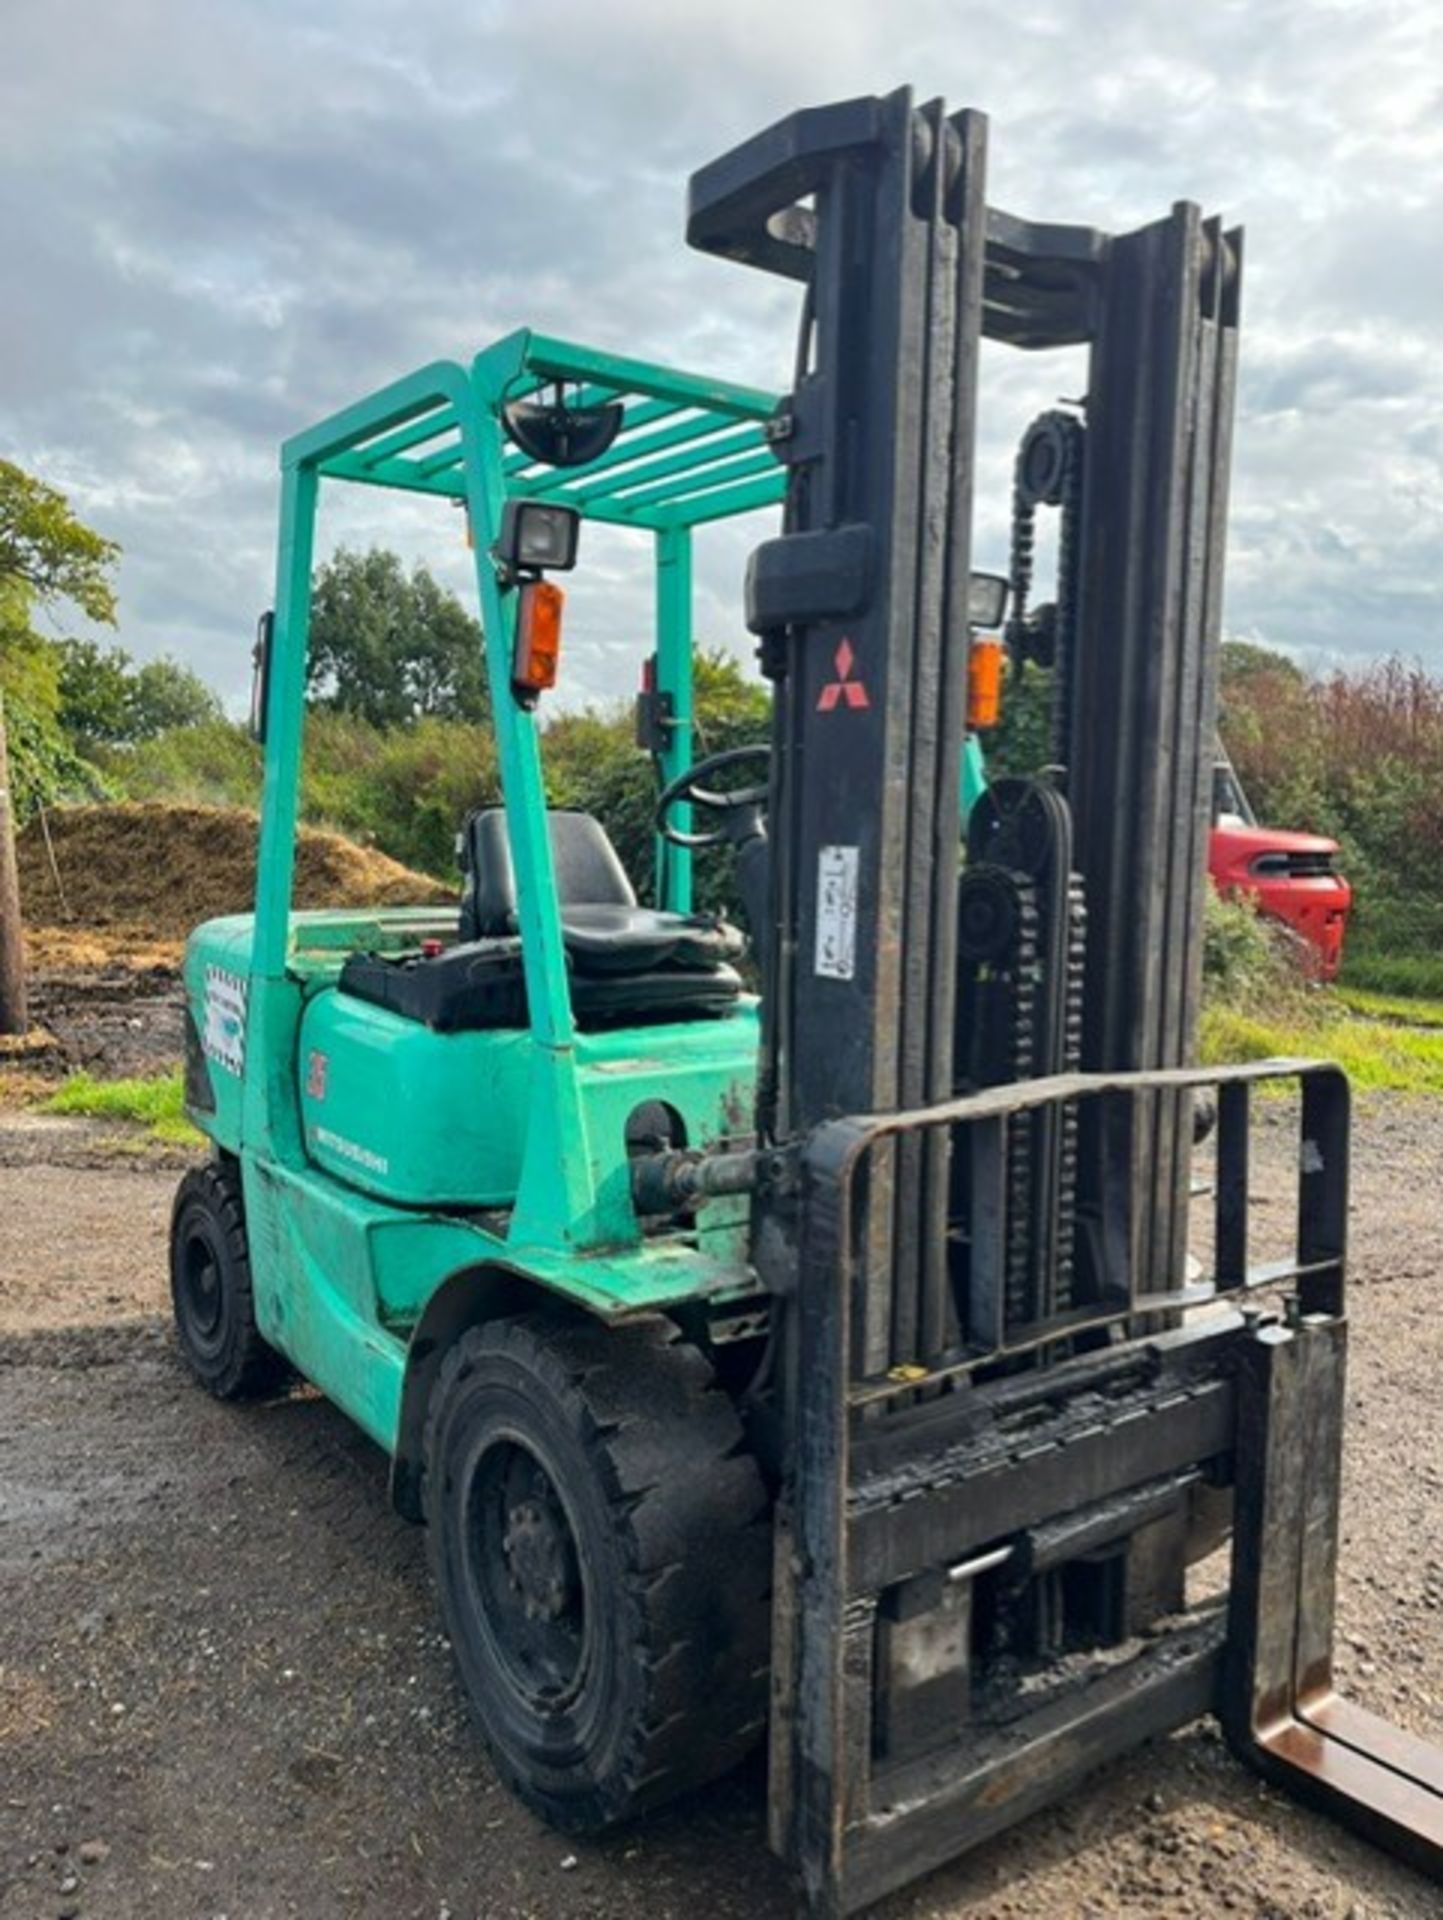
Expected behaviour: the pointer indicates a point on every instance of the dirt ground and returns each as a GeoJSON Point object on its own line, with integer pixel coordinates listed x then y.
{"type": "Point", "coordinates": [112, 1020]}
{"type": "Point", "coordinates": [223, 1695]}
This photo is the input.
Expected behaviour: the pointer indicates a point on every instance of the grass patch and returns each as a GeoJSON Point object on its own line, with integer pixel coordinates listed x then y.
{"type": "Point", "coordinates": [1398, 1007]}
{"type": "Point", "coordinates": [1398, 974]}
{"type": "Point", "coordinates": [1375, 1055]}
{"type": "Point", "coordinates": [1256, 1006]}
{"type": "Point", "coordinates": [156, 1104]}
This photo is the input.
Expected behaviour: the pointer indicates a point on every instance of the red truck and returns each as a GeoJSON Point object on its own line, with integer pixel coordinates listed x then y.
{"type": "Point", "coordinates": [1293, 877]}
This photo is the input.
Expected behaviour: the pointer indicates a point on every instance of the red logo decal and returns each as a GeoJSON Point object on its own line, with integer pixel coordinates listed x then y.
{"type": "Point", "coordinates": [844, 690]}
{"type": "Point", "coordinates": [316, 1074]}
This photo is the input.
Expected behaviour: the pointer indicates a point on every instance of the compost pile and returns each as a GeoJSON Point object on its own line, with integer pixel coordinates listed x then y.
{"type": "Point", "coordinates": [154, 870]}
{"type": "Point", "coordinates": [110, 898]}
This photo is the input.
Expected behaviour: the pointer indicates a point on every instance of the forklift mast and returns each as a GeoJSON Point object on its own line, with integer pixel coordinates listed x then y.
{"type": "Point", "coordinates": [1004, 1442]}
{"type": "Point", "coordinates": [861, 607]}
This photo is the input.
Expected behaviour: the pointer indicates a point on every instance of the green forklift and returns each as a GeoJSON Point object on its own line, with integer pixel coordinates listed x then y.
{"type": "Point", "coordinates": [827, 1360]}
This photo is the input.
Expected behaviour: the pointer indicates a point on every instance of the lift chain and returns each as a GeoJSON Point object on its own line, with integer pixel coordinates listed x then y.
{"type": "Point", "coordinates": [1048, 473]}
{"type": "Point", "coordinates": [1021, 941]}
{"type": "Point", "coordinates": [1071, 1061]}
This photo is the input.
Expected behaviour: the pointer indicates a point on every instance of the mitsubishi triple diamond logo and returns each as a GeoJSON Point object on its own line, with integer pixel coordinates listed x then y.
{"type": "Point", "coordinates": [844, 691]}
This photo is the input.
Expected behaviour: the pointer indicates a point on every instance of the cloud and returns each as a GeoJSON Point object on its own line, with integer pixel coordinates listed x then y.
{"type": "Point", "coordinates": [220, 221]}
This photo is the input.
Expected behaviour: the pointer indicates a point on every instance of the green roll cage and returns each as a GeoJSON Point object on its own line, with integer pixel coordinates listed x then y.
{"type": "Point", "coordinates": [690, 450]}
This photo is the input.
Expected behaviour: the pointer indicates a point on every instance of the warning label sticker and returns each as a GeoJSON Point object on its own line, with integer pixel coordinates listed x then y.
{"type": "Point", "coordinates": [224, 1036]}
{"type": "Point", "coordinates": [836, 954]}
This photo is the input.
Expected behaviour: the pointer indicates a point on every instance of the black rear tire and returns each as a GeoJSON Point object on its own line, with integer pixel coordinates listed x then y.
{"type": "Point", "coordinates": [211, 1291]}
{"type": "Point", "coordinates": [600, 1539]}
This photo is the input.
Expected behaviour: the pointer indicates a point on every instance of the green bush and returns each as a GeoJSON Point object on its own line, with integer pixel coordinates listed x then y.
{"type": "Point", "coordinates": [406, 789]}
{"type": "Point", "coordinates": [213, 764]}
{"type": "Point", "coordinates": [1356, 755]}
{"type": "Point", "coordinates": [1395, 970]}
{"type": "Point", "coordinates": [592, 763]}
{"type": "Point", "coordinates": [1248, 964]}
{"type": "Point", "coordinates": [45, 770]}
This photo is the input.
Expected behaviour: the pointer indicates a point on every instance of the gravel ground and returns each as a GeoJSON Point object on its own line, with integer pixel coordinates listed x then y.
{"type": "Point", "coordinates": [223, 1695]}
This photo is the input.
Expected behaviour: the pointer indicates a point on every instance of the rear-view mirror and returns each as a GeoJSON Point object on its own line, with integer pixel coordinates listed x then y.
{"type": "Point", "coordinates": [261, 675]}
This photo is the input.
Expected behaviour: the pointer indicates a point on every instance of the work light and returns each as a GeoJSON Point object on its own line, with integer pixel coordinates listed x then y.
{"type": "Point", "coordinates": [986, 599]}
{"type": "Point", "coordinates": [535, 537]}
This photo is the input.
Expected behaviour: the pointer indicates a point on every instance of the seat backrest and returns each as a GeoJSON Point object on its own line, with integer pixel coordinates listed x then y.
{"type": "Point", "coordinates": [589, 872]}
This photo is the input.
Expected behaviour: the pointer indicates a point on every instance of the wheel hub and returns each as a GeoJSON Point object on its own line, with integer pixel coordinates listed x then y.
{"type": "Point", "coordinates": [528, 1573]}
{"type": "Point", "coordinates": [202, 1287]}
{"type": "Point", "coordinates": [539, 1562]}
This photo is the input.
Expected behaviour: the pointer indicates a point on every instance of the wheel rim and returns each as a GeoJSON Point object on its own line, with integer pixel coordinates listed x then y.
{"type": "Point", "coordinates": [526, 1572]}
{"type": "Point", "coordinates": [201, 1290]}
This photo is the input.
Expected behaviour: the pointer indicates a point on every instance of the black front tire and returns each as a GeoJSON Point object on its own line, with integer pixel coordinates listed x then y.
{"type": "Point", "coordinates": [601, 1544]}
{"type": "Point", "coordinates": [211, 1291]}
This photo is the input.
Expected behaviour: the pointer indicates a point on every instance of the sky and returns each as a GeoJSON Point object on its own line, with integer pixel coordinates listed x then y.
{"type": "Point", "coordinates": [222, 219]}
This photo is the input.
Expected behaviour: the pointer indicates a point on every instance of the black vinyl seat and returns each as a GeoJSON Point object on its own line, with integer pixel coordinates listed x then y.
{"type": "Point", "coordinates": [604, 929]}
{"type": "Point", "coordinates": [628, 965]}
{"type": "Point", "coordinates": [480, 985]}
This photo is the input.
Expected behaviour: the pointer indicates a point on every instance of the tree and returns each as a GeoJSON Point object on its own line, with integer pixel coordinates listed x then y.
{"type": "Point", "coordinates": [105, 700]}
{"type": "Point", "coordinates": [1241, 661]}
{"type": "Point", "coordinates": [51, 553]}
{"type": "Point", "coordinates": [390, 647]}
{"type": "Point", "coordinates": [94, 690]}
{"type": "Point", "coordinates": [47, 556]}
{"type": "Point", "coordinates": [166, 694]}
{"type": "Point", "coordinates": [732, 708]}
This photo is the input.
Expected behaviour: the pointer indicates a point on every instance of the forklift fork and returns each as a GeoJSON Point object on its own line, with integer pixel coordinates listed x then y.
{"type": "Point", "coordinates": [1279, 1705]}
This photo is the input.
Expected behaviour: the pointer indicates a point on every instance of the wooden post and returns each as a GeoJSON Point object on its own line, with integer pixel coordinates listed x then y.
{"type": "Point", "coordinates": [14, 1017]}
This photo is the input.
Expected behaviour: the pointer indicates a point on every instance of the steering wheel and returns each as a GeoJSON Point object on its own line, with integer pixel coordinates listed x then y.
{"type": "Point", "coordinates": [729, 803]}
